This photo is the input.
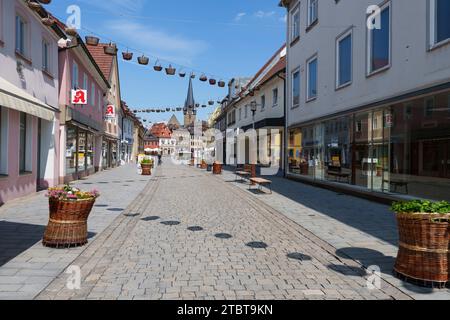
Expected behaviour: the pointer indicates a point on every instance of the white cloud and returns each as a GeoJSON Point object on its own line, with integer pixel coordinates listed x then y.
{"type": "Point", "coordinates": [262, 14]}
{"type": "Point", "coordinates": [239, 16]}
{"type": "Point", "coordinates": [157, 42]}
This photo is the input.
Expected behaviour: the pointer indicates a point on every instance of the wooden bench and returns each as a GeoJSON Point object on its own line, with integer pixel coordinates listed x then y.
{"type": "Point", "coordinates": [245, 172]}
{"type": "Point", "coordinates": [261, 183]}
{"type": "Point", "coordinates": [396, 184]}
{"type": "Point", "coordinates": [338, 174]}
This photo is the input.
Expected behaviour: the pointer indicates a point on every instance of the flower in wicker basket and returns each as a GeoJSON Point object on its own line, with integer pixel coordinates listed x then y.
{"type": "Point", "coordinates": [69, 211]}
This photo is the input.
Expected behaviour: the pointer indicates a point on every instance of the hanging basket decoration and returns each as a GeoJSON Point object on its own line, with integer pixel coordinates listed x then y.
{"type": "Point", "coordinates": [157, 67]}
{"type": "Point", "coordinates": [70, 31]}
{"type": "Point", "coordinates": [170, 71]}
{"type": "Point", "coordinates": [111, 49]}
{"type": "Point", "coordinates": [221, 84]}
{"type": "Point", "coordinates": [204, 106]}
{"type": "Point", "coordinates": [211, 103]}
{"type": "Point", "coordinates": [145, 120]}
{"type": "Point", "coordinates": [212, 82]}
{"type": "Point", "coordinates": [192, 75]}
{"type": "Point", "coordinates": [197, 105]}
{"type": "Point", "coordinates": [179, 109]}
{"type": "Point", "coordinates": [168, 109]}
{"type": "Point", "coordinates": [34, 5]}
{"type": "Point", "coordinates": [48, 21]}
{"type": "Point", "coordinates": [143, 60]}
{"type": "Point", "coordinates": [92, 41]}
{"type": "Point", "coordinates": [148, 110]}
{"type": "Point", "coordinates": [182, 74]}
{"type": "Point", "coordinates": [127, 56]}
{"type": "Point", "coordinates": [203, 78]}
{"type": "Point", "coordinates": [158, 111]}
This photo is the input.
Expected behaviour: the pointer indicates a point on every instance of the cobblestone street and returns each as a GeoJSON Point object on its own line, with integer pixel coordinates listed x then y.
{"type": "Point", "coordinates": [191, 236]}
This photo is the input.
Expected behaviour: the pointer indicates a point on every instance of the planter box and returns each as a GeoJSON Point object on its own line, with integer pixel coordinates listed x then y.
{"type": "Point", "coordinates": [217, 168]}
{"type": "Point", "coordinates": [67, 226]}
{"type": "Point", "coordinates": [423, 249]}
{"type": "Point", "coordinates": [146, 169]}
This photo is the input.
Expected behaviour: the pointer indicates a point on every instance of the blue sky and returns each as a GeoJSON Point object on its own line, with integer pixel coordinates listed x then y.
{"type": "Point", "coordinates": [221, 38]}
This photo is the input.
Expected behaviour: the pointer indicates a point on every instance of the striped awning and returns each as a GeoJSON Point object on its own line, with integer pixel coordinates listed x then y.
{"type": "Point", "coordinates": [15, 98]}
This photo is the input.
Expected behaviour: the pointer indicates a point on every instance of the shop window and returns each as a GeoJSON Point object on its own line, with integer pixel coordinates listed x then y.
{"type": "Point", "coordinates": [82, 150]}
{"type": "Point", "coordinates": [90, 151]}
{"type": "Point", "coordinates": [3, 141]}
{"type": "Point", "coordinates": [379, 43]}
{"type": "Point", "coordinates": [25, 143]}
{"type": "Point", "coordinates": [71, 150]}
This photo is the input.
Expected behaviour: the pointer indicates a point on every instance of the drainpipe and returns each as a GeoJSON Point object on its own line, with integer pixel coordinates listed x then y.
{"type": "Point", "coordinates": [285, 124]}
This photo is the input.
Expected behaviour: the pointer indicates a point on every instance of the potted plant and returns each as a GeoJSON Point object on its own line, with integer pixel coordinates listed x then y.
{"type": "Point", "coordinates": [203, 165]}
{"type": "Point", "coordinates": [157, 67]}
{"type": "Point", "coordinates": [69, 211]}
{"type": "Point", "coordinates": [221, 84]}
{"type": "Point", "coordinates": [217, 168]}
{"type": "Point", "coordinates": [146, 166]}
{"type": "Point", "coordinates": [423, 242]}
{"type": "Point", "coordinates": [212, 82]}
{"type": "Point", "coordinates": [203, 78]}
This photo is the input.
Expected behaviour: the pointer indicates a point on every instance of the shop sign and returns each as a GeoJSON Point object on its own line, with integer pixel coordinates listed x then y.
{"type": "Point", "coordinates": [79, 97]}
{"type": "Point", "coordinates": [110, 112]}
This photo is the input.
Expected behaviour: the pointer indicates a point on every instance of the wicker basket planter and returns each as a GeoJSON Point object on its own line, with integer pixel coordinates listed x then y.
{"type": "Point", "coordinates": [67, 226]}
{"type": "Point", "coordinates": [146, 169]}
{"type": "Point", "coordinates": [217, 168]}
{"type": "Point", "coordinates": [204, 165]}
{"type": "Point", "coordinates": [424, 243]}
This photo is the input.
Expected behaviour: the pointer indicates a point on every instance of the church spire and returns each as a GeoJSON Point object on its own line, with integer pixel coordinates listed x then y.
{"type": "Point", "coordinates": [189, 106]}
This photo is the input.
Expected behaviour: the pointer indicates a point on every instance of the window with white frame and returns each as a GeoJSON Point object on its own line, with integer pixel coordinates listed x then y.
{"type": "Point", "coordinates": [263, 102]}
{"type": "Point", "coordinates": [311, 83]}
{"type": "Point", "coordinates": [21, 35]}
{"type": "Point", "coordinates": [275, 97]}
{"type": "Point", "coordinates": [75, 74]}
{"type": "Point", "coordinates": [440, 21]}
{"type": "Point", "coordinates": [313, 11]}
{"type": "Point", "coordinates": [45, 55]}
{"type": "Point", "coordinates": [296, 88]}
{"type": "Point", "coordinates": [295, 23]}
{"type": "Point", "coordinates": [25, 131]}
{"type": "Point", "coordinates": [344, 58]}
{"type": "Point", "coordinates": [3, 141]}
{"type": "Point", "coordinates": [379, 42]}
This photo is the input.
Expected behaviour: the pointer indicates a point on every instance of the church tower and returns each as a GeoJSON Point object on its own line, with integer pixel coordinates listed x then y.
{"type": "Point", "coordinates": [189, 107]}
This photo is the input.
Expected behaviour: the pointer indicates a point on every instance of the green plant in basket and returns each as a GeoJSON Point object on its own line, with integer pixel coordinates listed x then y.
{"type": "Point", "coordinates": [421, 206]}
{"type": "Point", "coordinates": [147, 161]}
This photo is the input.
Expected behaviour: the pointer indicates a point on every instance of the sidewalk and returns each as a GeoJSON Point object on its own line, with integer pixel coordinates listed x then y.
{"type": "Point", "coordinates": [26, 267]}
{"type": "Point", "coordinates": [362, 230]}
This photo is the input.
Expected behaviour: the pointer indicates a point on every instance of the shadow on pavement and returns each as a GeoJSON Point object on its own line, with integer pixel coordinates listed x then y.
{"type": "Point", "coordinates": [368, 217]}
{"type": "Point", "coordinates": [16, 238]}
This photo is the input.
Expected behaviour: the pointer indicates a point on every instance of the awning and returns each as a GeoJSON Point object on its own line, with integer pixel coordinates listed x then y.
{"type": "Point", "coordinates": [15, 98]}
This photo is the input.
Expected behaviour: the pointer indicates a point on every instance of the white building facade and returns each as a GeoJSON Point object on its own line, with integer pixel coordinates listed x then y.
{"type": "Point", "coordinates": [368, 95]}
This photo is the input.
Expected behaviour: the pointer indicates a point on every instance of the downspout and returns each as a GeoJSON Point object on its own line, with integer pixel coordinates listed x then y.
{"type": "Point", "coordinates": [285, 123]}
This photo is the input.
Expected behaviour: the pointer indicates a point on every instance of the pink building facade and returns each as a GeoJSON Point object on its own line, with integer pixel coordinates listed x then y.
{"type": "Point", "coordinates": [29, 112]}
{"type": "Point", "coordinates": [81, 126]}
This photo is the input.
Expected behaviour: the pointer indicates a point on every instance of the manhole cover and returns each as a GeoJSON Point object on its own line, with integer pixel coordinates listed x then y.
{"type": "Point", "coordinates": [299, 256]}
{"type": "Point", "coordinates": [170, 223]}
{"type": "Point", "coordinates": [257, 245]}
{"type": "Point", "coordinates": [223, 236]}
{"type": "Point", "coordinates": [195, 228]}
{"type": "Point", "coordinates": [153, 218]}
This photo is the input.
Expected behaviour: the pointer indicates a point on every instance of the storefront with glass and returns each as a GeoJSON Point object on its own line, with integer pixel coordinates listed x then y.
{"type": "Point", "coordinates": [80, 152]}
{"type": "Point", "coordinates": [400, 149]}
{"type": "Point", "coordinates": [110, 152]}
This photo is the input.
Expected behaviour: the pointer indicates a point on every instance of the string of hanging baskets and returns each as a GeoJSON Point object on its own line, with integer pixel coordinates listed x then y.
{"type": "Point", "coordinates": [174, 109]}
{"type": "Point", "coordinates": [111, 49]}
